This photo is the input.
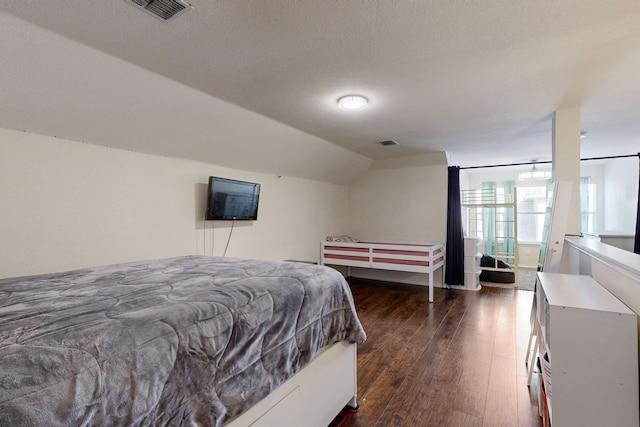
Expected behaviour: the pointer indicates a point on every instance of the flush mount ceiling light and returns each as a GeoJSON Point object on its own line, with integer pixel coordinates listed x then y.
{"type": "Point", "coordinates": [352, 102]}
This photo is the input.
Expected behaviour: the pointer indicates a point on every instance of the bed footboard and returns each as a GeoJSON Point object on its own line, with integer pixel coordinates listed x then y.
{"type": "Point", "coordinates": [316, 394]}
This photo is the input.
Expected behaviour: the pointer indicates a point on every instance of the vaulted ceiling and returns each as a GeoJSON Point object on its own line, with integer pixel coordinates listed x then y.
{"type": "Point", "coordinates": [254, 83]}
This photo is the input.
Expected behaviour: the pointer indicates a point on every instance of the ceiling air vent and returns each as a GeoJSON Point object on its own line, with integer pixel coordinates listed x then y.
{"type": "Point", "coordinates": [165, 10]}
{"type": "Point", "coordinates": [388, 142]}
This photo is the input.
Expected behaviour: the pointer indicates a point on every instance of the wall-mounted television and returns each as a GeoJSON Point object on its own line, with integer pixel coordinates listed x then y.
{"type": "Point", "coordinates": [229, 199]}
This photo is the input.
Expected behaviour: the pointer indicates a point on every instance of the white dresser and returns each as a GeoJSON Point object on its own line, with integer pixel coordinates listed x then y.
{"type": "Point", "coordinates": [471, 264]}
{"type": "Point", "coordinates": [588, 346]}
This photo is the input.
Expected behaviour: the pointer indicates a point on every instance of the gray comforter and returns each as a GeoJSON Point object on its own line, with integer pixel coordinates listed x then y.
{"type": "Point", "coordinates": [181, 341]}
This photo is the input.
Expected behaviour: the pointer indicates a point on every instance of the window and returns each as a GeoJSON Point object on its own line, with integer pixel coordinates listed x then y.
{"type": "Point", "coordinates": [534, 174]}
{"type": "Point", "coordinates": [587, 204]}
{"type": "Point", "coordinates": [532, 205]}
{"type": "Point", "coordinates": [491, 225]}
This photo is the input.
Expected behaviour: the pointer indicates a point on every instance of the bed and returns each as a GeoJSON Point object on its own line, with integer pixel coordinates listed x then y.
{"type": "Point", "coordinates": [417, 257]}
{"type": "Point", "coordinates": [181, 341]}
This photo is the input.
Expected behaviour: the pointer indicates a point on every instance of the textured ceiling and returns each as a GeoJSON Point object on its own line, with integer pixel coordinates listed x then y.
{"type": "Point", "coordinates": [479, 80]}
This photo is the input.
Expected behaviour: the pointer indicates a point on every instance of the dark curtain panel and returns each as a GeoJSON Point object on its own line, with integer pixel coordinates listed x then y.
{"type": "Point", "coordinates": [636, 245]}
{"type": "Point", "coordinates": [454, 268]}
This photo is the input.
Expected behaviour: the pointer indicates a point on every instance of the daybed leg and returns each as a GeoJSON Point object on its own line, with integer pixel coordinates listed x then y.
{"type": "Point", "coordinates": [353, 405]}
{"type": "Point", "coordinates": [431, 286]}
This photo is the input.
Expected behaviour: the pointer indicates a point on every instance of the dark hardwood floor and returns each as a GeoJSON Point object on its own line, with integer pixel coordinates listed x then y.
{"type": "Point", "coordinates": [456, 362]}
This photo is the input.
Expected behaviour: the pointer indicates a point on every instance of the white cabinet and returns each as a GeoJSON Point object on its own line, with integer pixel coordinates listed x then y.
{"type": "Point", "coordinates": [588, 346]}
{"type": "Point", "coordinates": [471, 264]}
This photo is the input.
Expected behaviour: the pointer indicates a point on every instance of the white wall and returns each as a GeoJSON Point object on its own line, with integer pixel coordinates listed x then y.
{"type": "Point", "coordinates": [528, 254]}
{"type": "Point", "coordinates": [67, 204]}
{"type": "Point", "coordinates": [621, 194]}
{"type": "Point", "coordinates": [400, 199]}
{"type": "Point", "coordinates": [595, 172]}
{"type": "Point", "coordinates": [395, 200]}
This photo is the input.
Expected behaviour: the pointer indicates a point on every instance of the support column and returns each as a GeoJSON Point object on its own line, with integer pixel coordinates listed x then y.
{"type": "Point", "coordinates": [566, 160]}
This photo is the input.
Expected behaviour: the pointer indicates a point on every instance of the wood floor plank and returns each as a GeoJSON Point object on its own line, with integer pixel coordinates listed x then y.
{"type": "Point", "coordinates": [466, 369]}
{"type": "Point", "coordinates": [527, 403]}
{"type": "Point", "coordinates": [505, 338]}
{"type": "Point", "coordinates": [502, 404]}
{"type": "Point", "coordinates": [449, 404]}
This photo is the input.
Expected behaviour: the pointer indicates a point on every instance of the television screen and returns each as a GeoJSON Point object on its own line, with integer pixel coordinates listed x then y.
{"type": "Point", "coordinates": [229, 199]}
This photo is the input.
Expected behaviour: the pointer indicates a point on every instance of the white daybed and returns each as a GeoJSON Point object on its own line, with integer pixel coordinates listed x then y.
{"type": "Point", "coordinates": [417, 257]}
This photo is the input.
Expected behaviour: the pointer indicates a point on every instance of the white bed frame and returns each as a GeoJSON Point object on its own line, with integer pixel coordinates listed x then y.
{"type": "Point", "coordinates": [316, 394]}
{"type": "Point", "coordinates": [417, 257]}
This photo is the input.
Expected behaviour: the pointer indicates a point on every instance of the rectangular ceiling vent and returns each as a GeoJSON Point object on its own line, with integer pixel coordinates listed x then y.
{"type": "Point", "coordinates": [388, 142]}
{"type": "Point", "coordinates": [165, 10]}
